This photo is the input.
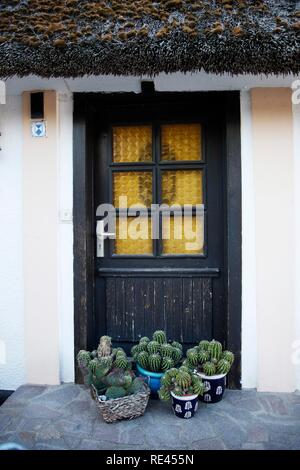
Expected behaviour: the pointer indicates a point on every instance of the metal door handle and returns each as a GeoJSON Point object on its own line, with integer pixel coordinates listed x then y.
{"type": "Point", "coordinates": [101, 235]}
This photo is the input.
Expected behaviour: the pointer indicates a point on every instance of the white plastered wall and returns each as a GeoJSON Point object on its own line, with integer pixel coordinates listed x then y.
{"type": "Point", "coordinates": [11, 240]}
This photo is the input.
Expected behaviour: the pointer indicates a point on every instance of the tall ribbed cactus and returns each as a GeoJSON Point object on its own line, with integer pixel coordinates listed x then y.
{"type": "Point", "coordinates": [159, 336]}
{"type": "Point", "coordinates": [215, 349]}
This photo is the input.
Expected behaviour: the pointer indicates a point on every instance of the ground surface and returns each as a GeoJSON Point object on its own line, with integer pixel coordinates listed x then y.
{"type": "Point", "coordinates": [65, 417]}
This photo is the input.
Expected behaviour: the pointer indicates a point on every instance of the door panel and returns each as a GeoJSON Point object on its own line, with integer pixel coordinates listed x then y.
{"type": "Point", "coordinates": [138, 305]}
{"type": "Point", "coordinates": [174, 155]}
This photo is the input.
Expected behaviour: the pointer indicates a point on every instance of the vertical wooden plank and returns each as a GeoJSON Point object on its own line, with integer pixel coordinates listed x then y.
{"type": "Point", "coordinates": [158, 306]}
{"type": "Point", "coordinates": [129, 308]}
{"type": "Point", "coordinates": [111, 317]}
{"type": "Point", "coordinates": [177, 308]}
{"type": "Point", "coordinates": [196, 330]}
{"type": "Point", "coordinates": [187, 311]}
{"type": "Point", "coordinates": [148, 290]}
{"type": "Point", "coordinates": [139, 329]}
{"type": "Point", "coordinates": [120, 309]}
{"type": "Point", "coordinates": [207, 312]}
{"type": "Point", "coordinates": [167, 312]}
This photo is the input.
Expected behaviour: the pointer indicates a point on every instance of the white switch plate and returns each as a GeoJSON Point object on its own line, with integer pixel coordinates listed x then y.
{"type": "Point", "coordinates": [66, 216]}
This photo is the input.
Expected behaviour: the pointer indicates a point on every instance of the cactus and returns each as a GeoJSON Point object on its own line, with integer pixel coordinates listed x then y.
{"type": "Point", "coordinates": [153, 347]}
{"type": "Point", "coordinates": [144, 339]}
{"type": "Point", "coordinates": [83, 358]}
{"type": "Point", "coordinates": [209, 368]}
{"type": "Point", "coordinates": [154, 362]}
{"type": "Point", "coordinates": [137, 385]}
{"type": "Point", "coordinates": [104, 348]}
{"type": "Point", "coordinates": [183, 379]}
{"type": "Point", "coordinates": [143, 359]}
{"type": "Point", "coordinates": [167, 350]}
{"type": "Point", "coordinates": [203, 356]}
{"type": "Point", "coordinates": [160, 336]}
{"type": "Point", "coordinates": [115, 392]}
{"type": "Point", "coordinates": [192, 356]}
{"type": "Point", "coordinates": [198, 385]}
{"type": "Point", "coordinates": [119, 377]}
{"type": "Point", "coordinates": [204, 344]}
{"type": "Point", "coordinates": [167, 363]}
{"type": "Point", "coordinates": [121, 362]}
{"type": "Point", "coordinates": [181, 382]}
{"type": "Point", "coordinates": [228, 356]}
{"type": "Point", "coordinates": [176, 354]}
{"type": "Point", "coordinates": [215, 349]}
{"type": "Point", "coordinates": [223, 366]}
{"type": "Point", "coordinates": [175, 344]}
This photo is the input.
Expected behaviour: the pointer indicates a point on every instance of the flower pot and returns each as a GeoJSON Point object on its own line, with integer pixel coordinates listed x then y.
{"type": "Point", "coordinates": [184, 407]}
{"type": "Point", "coordinates": [152, 378]}
{"type": "Point", "coordinates": [215, 386]}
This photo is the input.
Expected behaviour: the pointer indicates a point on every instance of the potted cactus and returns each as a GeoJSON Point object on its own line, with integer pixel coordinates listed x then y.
{"type": "Point", "coordinates": [184, 387]}
{"type": "Point", "coordinates": [118, 392]}
{"type": "Point", "coordinates": [155, 357]}
{"type": "Point", "coordinates": [212, 364]}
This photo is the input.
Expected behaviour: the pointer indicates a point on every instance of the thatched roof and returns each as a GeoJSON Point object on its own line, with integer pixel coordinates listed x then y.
{"type": "Point", "coordinates": [131, 37]}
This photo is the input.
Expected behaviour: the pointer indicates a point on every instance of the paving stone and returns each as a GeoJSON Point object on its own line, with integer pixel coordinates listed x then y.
{"type": "Point", "coordinates": [5, 420]}
{"type": "Point", "coordinates": [37, 410]}
{"type": "Point", "coordinates": [65, 417]}
{"type": "Point", "coordinates": [253, 446]}
{"type": "Point", "coordinates": [58, 396]}
{"type": "Point", "coordinates": [210, 444]}
{"type": "Point", "coordinates": [257, 433]}
{"type": "Point", "coordinates": [26, 392]}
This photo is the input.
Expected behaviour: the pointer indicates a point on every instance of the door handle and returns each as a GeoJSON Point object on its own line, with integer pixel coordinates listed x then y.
{"type": "Point", "coordinates": [101, 235]}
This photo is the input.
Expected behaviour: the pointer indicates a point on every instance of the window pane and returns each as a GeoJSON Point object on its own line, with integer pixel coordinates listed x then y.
{"type": "Point", "coordinates": [182, 187]}
{"type": "Point", "coordinates": [132, 144]}
{"type": "Point", "coordinates": [135, 185]}
{"type": "Point", "coordinates": [133, 236]}
{"type": "Point", "coordinates": [183, 235]}
{"type": "Point", "coordinates": [181, 142]}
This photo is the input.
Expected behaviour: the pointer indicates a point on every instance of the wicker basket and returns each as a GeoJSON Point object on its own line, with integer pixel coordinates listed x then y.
{"type": "Point", "coordinates": [129, 407]}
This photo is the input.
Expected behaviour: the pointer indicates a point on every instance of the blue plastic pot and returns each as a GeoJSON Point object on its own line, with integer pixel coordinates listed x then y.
{"type": "Point", "coordinates": [184, 407]}
{"type": "Point", "coordinates": [215, 387]}
{"type": "Point", "coordinates": [151, 378]}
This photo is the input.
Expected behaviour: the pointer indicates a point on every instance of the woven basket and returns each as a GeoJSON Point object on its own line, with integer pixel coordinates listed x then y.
{"type": "Point", "coordinates": [129, 407]}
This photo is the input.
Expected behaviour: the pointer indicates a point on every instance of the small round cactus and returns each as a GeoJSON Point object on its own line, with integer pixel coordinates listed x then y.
{"type": "Point", "coordinates": [121, 362]}
{"type": "Point", "coordinates": [153, 347]}
{"type": "Point", "coordinates": [175, 344]}
{"type": "Point", "coordinates": [204, 344]}
{"type": "Point", "coordinates": [176, 354]}
{"type": "Point", "coordinates": [203, 356]}
{"type": "Point", "coordinates": [83, 358]}
{"type": "Point", "coordinates": [167, 350]}
{"type": "Point", "coordinates": [164, 393]}
{"type": "Point", "coordinates": [167, 363]}
{"type": "Point", "coordinates": [228, 356]}
{"type": "Point", "coordinates": [144, 339]}
{"type": "Point", "coordinates": [223, 366]}
{"type": "Point", "coordinates": [192, 356]}
{"type": "Point", "coordinates": [198, 385]}
{"type": "Point", "coordinates": [183, 378]}
{"type": "Point", "coordinates": [143, 359]}
{"type": "Point", "coordinates": [215, 349]}
{"type": "Point", "coordinates": [115, 392]}
{"type": "Point", "coordinates": [209, 368]}
{"type": "Point", "coordinates": [154, 362]}
{"type": "Point", "coordinates": [160, 336]}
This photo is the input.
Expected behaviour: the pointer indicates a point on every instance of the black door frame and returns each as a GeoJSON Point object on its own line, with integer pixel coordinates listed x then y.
{"type": "Point", "coordinates": [85, 105]}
